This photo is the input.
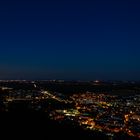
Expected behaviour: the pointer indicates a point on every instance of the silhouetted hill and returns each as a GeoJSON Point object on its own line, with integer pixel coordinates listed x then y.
{"type": "Point", "coordinates": [35, 125]}
{"type": "Point", "coordinates": [39, 126]}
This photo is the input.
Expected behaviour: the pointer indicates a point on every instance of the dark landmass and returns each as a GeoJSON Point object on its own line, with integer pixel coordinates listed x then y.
{"type": "Point", "coordinates": [38, 126]}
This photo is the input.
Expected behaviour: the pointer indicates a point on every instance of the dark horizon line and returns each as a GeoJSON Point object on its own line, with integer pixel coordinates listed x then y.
{"type": "Point", "coordinates": [78, 80]}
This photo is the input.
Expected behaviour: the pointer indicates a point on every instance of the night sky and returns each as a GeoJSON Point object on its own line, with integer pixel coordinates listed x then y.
{"type": "Point", "coordinates": [70, 39]}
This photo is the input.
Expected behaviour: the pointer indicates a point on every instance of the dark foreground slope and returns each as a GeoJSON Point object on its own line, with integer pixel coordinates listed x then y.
{"type": "Point", "coordinates": [39, 126]}
{"type": "Point", "coordinates": [16, 126]}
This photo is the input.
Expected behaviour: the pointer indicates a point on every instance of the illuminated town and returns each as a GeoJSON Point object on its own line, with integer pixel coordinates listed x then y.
{"type": "Point", "coordinates": [107, 111]}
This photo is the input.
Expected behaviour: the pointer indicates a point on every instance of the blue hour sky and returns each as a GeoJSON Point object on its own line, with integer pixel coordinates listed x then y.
{"type": "Point", "coordinates": [70, 39]}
